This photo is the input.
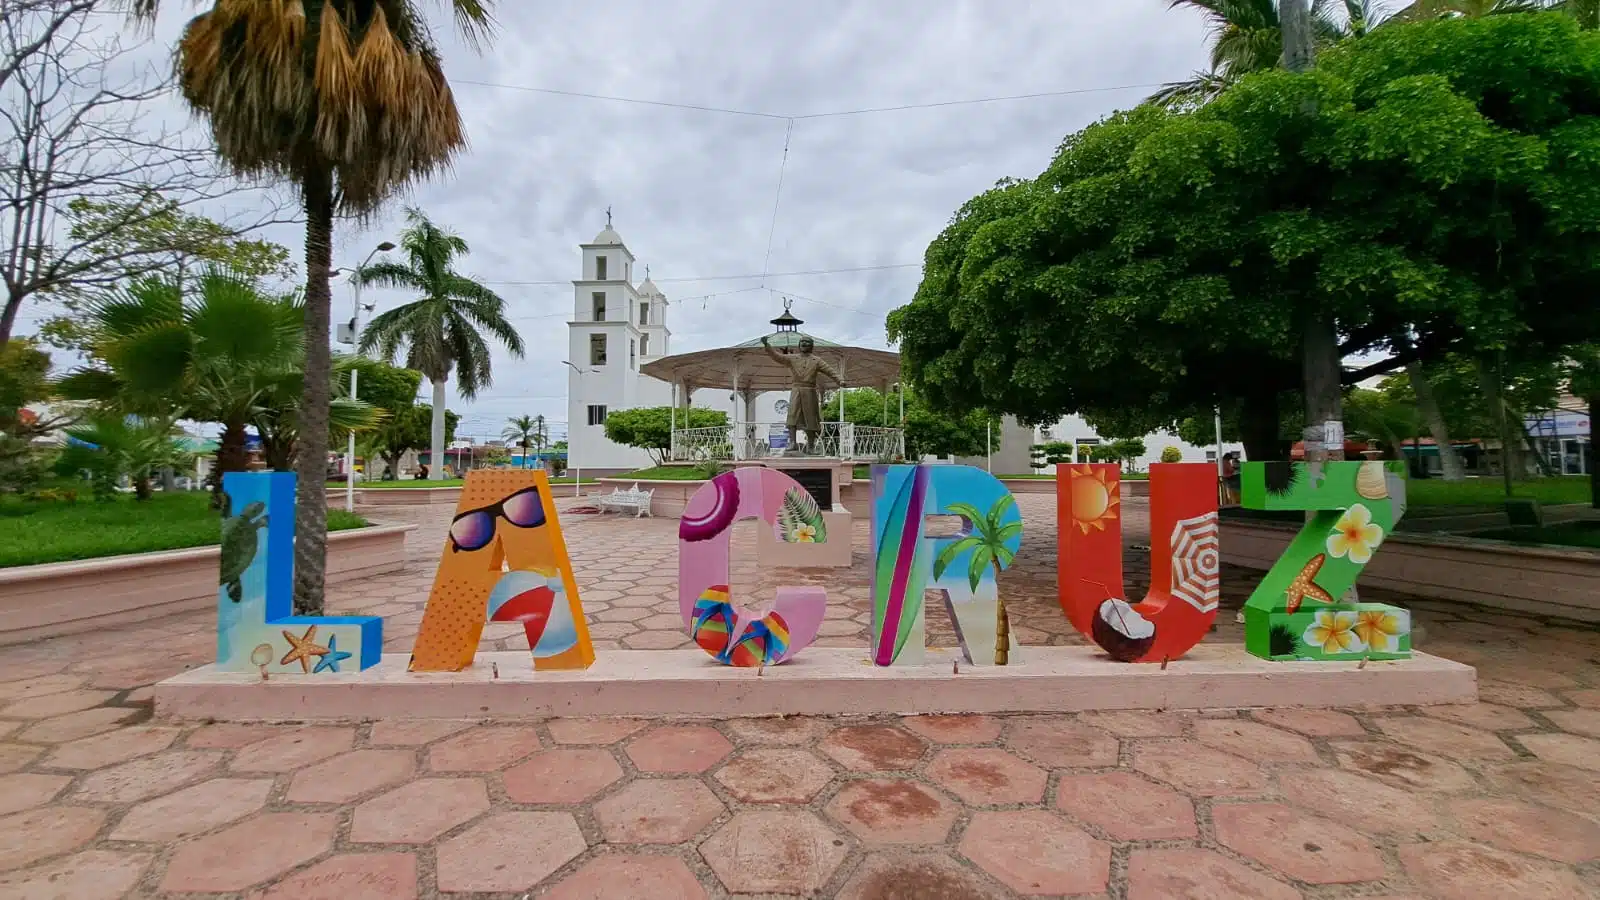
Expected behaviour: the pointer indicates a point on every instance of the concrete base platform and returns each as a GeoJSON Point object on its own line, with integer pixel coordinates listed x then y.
{"type": "Point", "coordinates": [818, 682]}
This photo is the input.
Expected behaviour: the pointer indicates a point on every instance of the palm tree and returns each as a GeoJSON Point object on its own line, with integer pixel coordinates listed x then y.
{"type": "Point", "coordinates": [440, 329]}
{"type": "Point", "coordinates": [110, 445]}
{"type": "Point", "coordinates": [988, 546]}
{"type": "Point", "coordinates": [347, 100]}
{"type": "Point", "coordinates": [519, 431]}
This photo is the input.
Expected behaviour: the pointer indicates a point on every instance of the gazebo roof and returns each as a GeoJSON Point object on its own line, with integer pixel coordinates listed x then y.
{"type": "Point", "coordinates": [755, 371]}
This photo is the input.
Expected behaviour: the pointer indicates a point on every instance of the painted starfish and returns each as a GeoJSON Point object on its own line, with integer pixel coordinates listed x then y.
{"type": "Point", "coordinates": [1304, 585]}
{"type": "Point", "coordinates": [330, 660]}
{"type": "Point", "coordinates": [304, 648]}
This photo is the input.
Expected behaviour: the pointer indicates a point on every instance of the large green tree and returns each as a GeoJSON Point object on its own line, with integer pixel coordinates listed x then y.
{"type": "Point", "coordinates": [442, 330]}
{"type": "Point", "coordinates": [927, 433]}
{"type": "Point", "coordinates": [1430, 186]}
{"type": "Point", "coordinates": [347, 101]}
{"type": "Point", "coordinates": [649, 428]}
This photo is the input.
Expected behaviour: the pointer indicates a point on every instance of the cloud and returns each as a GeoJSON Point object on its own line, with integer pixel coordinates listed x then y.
{"type": "Point", "coordinates": [692, 191]}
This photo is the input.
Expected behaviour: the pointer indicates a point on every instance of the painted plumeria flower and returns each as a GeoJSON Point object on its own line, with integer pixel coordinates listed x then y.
{"type": "Point", "coordinates": [1334, 632]}
{"type": "Point", "coordinates": [1381, 629]}
{"type": "Point", "coordinates": [1355, 535]}
{"type": "Point", "coordinates": [805, 534]}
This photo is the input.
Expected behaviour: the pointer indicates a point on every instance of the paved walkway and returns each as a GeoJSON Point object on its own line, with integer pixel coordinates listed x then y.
{"type": "Point", "coordinates": [1499, 799]}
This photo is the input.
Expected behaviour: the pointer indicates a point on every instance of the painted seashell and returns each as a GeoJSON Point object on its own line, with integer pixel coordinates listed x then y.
{"type": "Point", "coordinates": [1370, 481]}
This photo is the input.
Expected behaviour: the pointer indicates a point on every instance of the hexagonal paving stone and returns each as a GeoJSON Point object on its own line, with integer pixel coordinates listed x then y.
{"type": "Point", "coordinates": [103, 750]}
{"type": "Point", "coordinates": [25, 790]}
{"type": "Point", "coordinates": [1567, 749]}
{"type": "Point", "coordinates": [1312, 722]}
{"type": "Point", "coordinates": [193, 810]}
{"type": "Point", "coordinates": [1361, 802]}
{"type": "Point", "coordinates": [414, 732]}
{"type": "Point", "coordinates": [1305, 847]}
{"type": "Point", "coordinates": [899, 875]}
{"type": "Point", "coordinates": [1446, 739]}
{"type": "Point", "coordinates": [1059, 742]}
{"type": "Point", "coordinates": [294, 749]}
{"type": "Point", "coordinates": [1564, 787]}
{"type": "Point", "coordinates": [774, 852]}
{"type": "Point", "coordinates": [1525, 828]}
{"type": "Point", "coordinates": [350, 775]}
{"type": "Point", "coordinates": [40, 686]}
{"type": "Point", "coordinates": [27, 837]}
{"type": "Point", "coordinates": [775, 775]}
{"type": "Point", "coordinates": [678, 749]}
{"type": "Point", "coordinates": [657, 811]}
{"type": "Point", "coordinates": [592, 731]}
{"type": "Point", "coordinates": [512, 851]}
{"type": "Point", "coordinates": [1509, 693]}
{"type": "Point", "coordinates": [90, 875]}
{"type": "Point", "coordinates": [418, 812]}
{"type": "Point", "coordinates": [1137, 723]}
{"type": "Point", "coordinates": [655, 640]}
{"type": "Point", "coordinates": [249, 853]}
{"type": "Point", "coordinates": [956, 729]}
{"type": "Point", "coordinates": [893, 811]}
{"type": "Point", "coordinates": [562, 775]}
{"type": "Point", "coordinates": [80, 724]}
{"type": "Point", "coordinates": [231, 735]}
{"type": "Point", "coordinates": [1402, 767]}
{"type": "Point", "coordinates": [54, 704]}
{"type": "Point", "coordinates": [1576, 721]}
{"type": "Point", "coordinates": [1127, 807]}
{"type": "Point", "coordinates": [483, 749]}
{"type": "Point", "coordinates": [1160, 874]}
{"type": "Point", "coordinates": [780, 730]}
{"type": "Point", "coordinates": [1481, 715]}
{"type": "Point", "coordinates": [1035, 852]}
{"type": "Point", "coordinates": [352, 876]}
{"type": "Point", "coordinates": [1456, 870]}
{"type": "Point", "coordinates": [618, 875]}
{"type": "Point", "coordinates": [1252, 740]}
{"type": "Point", "coordinates": [148, 776]}
{"type": "Point", "coordinates": [874, 748]}
{"type": "Point", "coordinates": [1197, 770]}
{"type": "Point", "coordinates": [987, 776]}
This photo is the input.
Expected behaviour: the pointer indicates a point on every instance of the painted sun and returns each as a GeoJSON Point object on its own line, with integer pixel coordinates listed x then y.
{"type": "Point", "coordinates": [1094, 499]}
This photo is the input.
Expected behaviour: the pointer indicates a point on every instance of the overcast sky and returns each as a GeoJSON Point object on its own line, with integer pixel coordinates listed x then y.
{"type": "Point", "coordinates": [693, 191]}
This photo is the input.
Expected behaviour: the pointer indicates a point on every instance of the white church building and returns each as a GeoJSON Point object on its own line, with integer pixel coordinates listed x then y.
{"type": "Point", "coordinates": [616, 328]}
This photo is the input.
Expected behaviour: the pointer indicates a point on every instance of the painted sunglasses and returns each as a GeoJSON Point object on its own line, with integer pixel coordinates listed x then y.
{"type": "Point", "coordinates": [474, 529]}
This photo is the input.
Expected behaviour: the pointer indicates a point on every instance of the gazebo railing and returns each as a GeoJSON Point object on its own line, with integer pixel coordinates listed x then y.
{"type": "Point", "coordinates": [758, 440]}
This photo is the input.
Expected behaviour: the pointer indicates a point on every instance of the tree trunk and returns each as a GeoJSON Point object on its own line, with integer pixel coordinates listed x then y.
{"type": "Point", "coordinates": [1323, 383]}
{"type": "Point", "coordinates": [1433, 417]}
{"type": "Point", "coordinates": [1512, 465]}
{"type": "Point", "coordinates": [436, 431]}
{"type": "Point", "coordinates": [1299, 42]}
{"type": "Point", "coordinates": [1002, 624]}
{"type": "Point", "coordinates": [231, 457]}
{"type": "Point", "coordinates": [1260, 427]}
{"type": "Point", "coordinates": [311, 500]}
{"type": "Point", "coordinates": [141, 487]}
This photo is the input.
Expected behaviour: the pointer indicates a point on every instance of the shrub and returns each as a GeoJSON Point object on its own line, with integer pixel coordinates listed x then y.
{"type": "Point", "coordinates": [1171, 454]}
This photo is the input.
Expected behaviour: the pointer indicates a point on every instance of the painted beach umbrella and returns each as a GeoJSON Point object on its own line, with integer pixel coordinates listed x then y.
{"type": "Point", "coordinates": [1197, 562]}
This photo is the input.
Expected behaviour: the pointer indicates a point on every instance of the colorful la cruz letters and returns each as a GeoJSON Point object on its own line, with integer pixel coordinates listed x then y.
{"type": "Point", "coordinates": [1298, 611]}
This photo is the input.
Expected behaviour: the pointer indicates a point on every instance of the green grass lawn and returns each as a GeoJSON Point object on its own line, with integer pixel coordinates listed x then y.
{"type": "Point", "coordinates": [33, 533]}
{"type": "Point", "coordinates": [1567, 534]}
{"type": "Point", "coordinates": [1491, 492]}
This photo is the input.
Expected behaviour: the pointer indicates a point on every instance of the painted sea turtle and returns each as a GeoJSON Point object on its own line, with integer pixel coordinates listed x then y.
{"type": "Point", "coordinates": [239, 542]}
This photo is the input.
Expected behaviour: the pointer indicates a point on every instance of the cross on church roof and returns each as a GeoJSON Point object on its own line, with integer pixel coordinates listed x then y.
{"type": "Point", "coordinates": [608, 216]}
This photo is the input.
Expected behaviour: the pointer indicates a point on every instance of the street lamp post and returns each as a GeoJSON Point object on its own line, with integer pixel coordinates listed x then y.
{"type": "Point", "coordinates": [577, 471]}
{"type": "Point", "coordinates": [355, 346]}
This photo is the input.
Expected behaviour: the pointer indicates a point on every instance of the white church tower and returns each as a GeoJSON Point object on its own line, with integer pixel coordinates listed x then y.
{"type": "Point", "coordinates": [615, 328]}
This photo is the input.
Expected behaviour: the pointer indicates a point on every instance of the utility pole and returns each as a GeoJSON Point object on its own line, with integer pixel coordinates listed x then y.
{"type": "Point", "coordinates": [1322, 364]}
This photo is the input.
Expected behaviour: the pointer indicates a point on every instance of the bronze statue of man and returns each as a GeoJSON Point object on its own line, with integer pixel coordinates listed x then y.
{"type": "Point", "coordinates": [805, 396]}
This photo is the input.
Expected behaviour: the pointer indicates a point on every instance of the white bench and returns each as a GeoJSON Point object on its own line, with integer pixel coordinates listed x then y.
{"type": "Point", "coordinates": [619, 500]}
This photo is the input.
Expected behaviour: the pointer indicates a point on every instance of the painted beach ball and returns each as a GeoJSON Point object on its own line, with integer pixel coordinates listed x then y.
{"type": "Point", "coordinates": [537, 599]}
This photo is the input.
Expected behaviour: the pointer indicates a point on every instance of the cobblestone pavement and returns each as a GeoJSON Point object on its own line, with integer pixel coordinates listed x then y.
{"type": "Point", "coordinates": [1498, 799]}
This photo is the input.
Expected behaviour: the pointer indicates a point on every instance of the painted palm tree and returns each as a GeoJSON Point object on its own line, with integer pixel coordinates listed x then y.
{"type": "Point", "coordinates": [440, 331]}
{"type": "Point", "coordinates": [989, 542]}
{"type": "Point", "coordinates": [346, 100]}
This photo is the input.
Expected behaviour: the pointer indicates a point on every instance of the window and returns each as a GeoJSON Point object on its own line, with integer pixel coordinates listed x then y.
{"type": "Point", "coordinates": [644, 314]}
{"type": "Point", "coordinates": [597, 349]}
{"type": "Point", "coordinates": [597, 415]}
{"type": "Point", "coordinates": [599, 268]}
{"type": "Point", "coordinates": [633, 354]}
{"type": "Point", "coordinates": [627, 272]}
{"type": "Point", "coordinates": [599, 298]}
{"type": "Point", "coordinates": [644, 345]}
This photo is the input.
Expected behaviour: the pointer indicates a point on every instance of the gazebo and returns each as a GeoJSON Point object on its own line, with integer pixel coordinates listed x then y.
{"type": "Point", "coordinates": [749, 372]}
